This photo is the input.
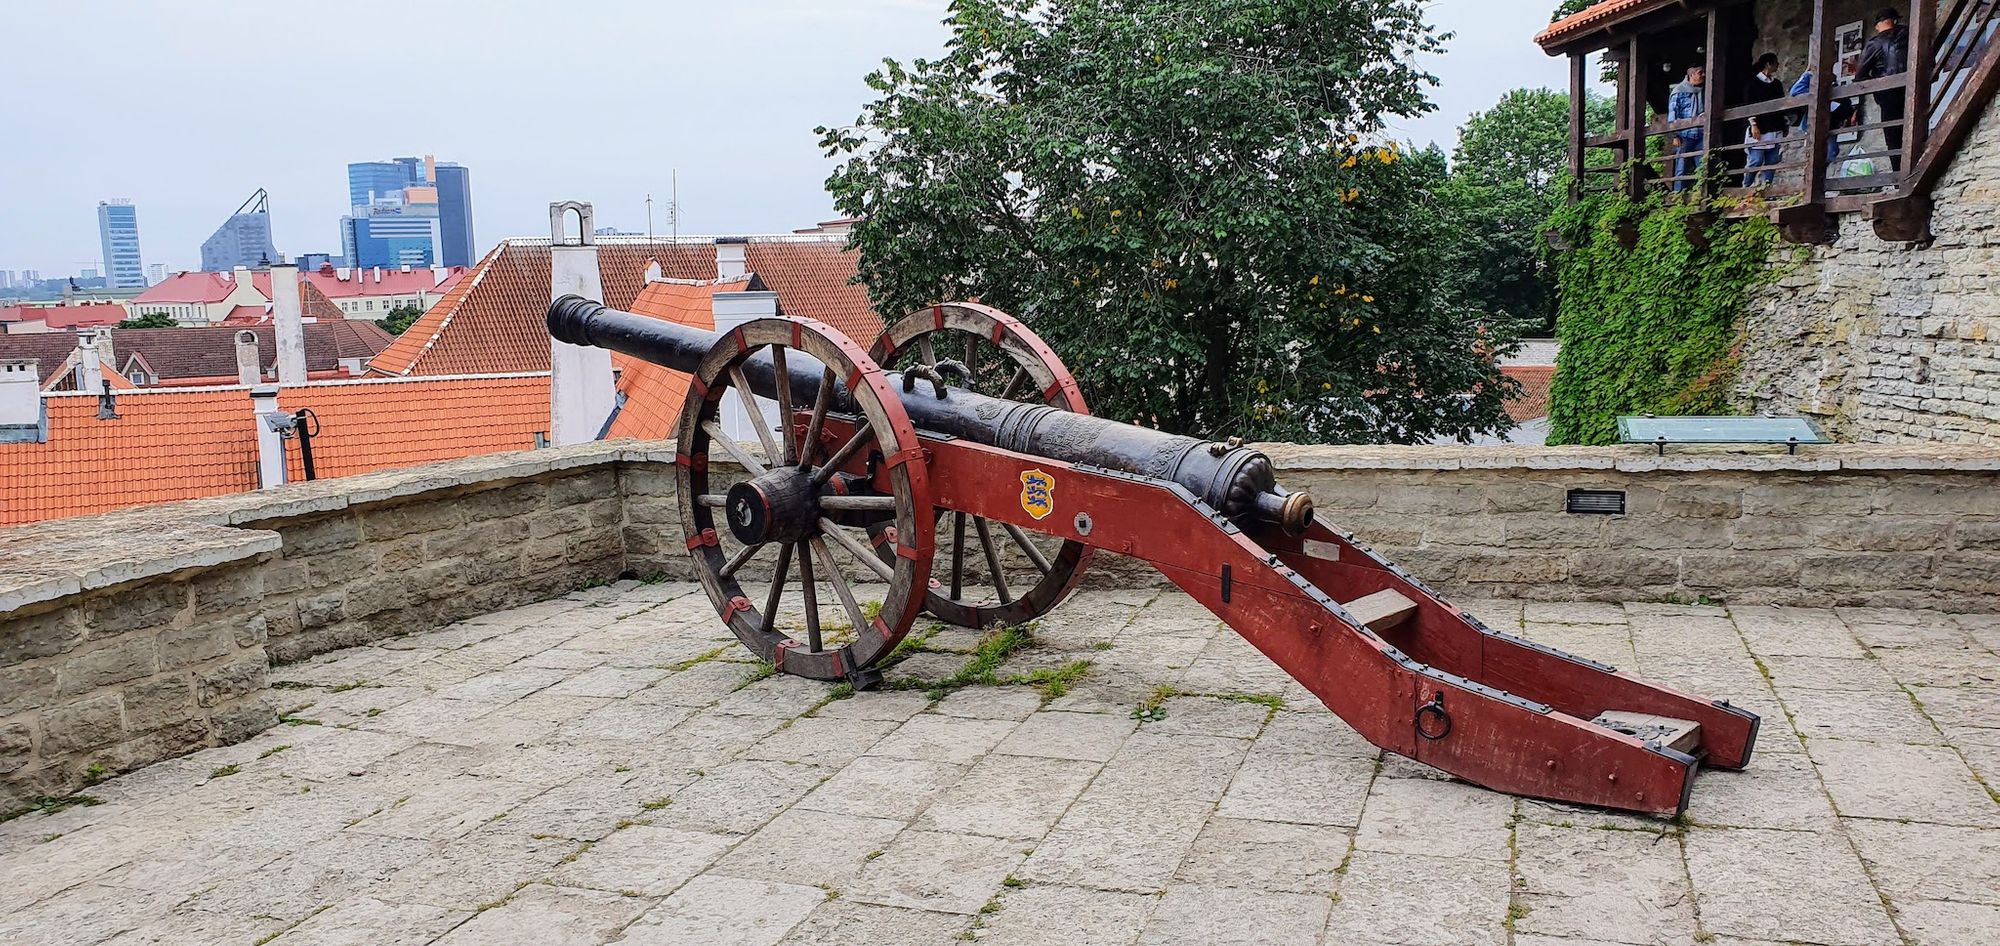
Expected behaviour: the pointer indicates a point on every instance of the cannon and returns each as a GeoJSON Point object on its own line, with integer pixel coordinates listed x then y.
{"type": "Point", "coordinates": [881, 473]}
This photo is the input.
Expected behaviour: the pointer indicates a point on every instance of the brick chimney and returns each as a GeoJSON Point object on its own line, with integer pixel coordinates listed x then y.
{"type": "Point", "coordinates": [729, 256]}
{"type": "Point", "coordinates": [287, 321]}
{"type": "Point", "coordinates": [248, 371]}
{"type": "Point", "coordinates": [581, 390]}
{"type": "Point", "coordinates": [20, 396]}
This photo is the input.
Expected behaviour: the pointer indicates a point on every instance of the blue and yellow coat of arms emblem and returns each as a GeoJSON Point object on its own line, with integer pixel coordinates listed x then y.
{"type": "Point", "coordinates": [1038, 493]}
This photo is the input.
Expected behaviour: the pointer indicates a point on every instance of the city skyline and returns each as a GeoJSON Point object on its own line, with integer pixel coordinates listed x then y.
{"type": "Point", "coordinates": [614, 129]}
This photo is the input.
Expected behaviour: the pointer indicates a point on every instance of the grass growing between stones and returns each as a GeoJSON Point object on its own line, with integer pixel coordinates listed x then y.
{"type": "Point", "coordinates": [1000, 643]}
{"type": "Point", "coordinates": [1153, 708]}
{"type": "Point", "coordinates": [274, 750]}
{"type": "Point", "coordinates": [50, 804]}
{"type": "Point", "coordinates": [225, 771]}
{"type": "Point", "coordinates": [697, 659]}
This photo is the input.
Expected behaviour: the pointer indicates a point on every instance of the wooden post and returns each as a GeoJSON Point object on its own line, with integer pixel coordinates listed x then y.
{"type": "Point", "coordinates": [1718, 81]}
{"type": "Point", "coordinates": [1636, 76]}
{"type": "Point", "coordinates": [1917, 109]}
{"type": "Point", "coordinates": [1820, 110]}
{"type": "Point", "coordinates": [1806, 221]}
{"type": "Point", "coordinates": [1577, 132]}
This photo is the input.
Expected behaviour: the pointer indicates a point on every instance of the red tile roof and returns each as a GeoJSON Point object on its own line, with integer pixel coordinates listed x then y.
{"type": "Point", "coordinates": [1533, 400]}
{"type": "Point", "coordinates": [172, 444]}
{"type": "Point", "coordinates": [207, 355]}
{"type": "Point", "coordinates": [1595, 17]}
{"type": "Point", "coordinates": [495, 319]}
{"type": "Point", "coordinates": [193, 287]}
{"type": "Point", "coordinates": [373, 282]}
{"type": "Point", "coordinates": [86, 315]}
{"type": "Point", "coordinates": [163, 446]}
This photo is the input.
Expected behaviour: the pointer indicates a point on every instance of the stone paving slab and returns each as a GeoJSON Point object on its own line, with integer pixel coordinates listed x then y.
{"type": "Point", "coordinates": [610, 768]}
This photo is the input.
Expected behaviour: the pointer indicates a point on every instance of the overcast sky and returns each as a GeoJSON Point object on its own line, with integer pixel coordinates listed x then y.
{"type": "Point", "coordinates": [187, 108]}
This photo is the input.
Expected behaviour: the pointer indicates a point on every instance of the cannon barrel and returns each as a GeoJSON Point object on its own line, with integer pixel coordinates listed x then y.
{"type": "Point", "coordinates": [1236, 480]}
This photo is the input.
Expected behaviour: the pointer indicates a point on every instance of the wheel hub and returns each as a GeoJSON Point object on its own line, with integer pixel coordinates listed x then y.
{"type": "Point", "coordinates": [774, 506]}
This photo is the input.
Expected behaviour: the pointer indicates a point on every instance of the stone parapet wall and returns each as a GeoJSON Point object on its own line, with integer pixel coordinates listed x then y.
{"type": "Point", "coordinates": [139, 635]}
{"type": "Point", "coordinates": [145, 634]}
{"type": "Point", "coordinates": [1891, 342]}
{"type": "Point", "coordinates": [1849, 525]}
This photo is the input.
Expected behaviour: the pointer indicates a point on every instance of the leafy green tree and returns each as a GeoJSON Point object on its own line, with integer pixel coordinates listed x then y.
{"type": "Point", "coordinates": [149, 320]}
{"type": "Point", "coordinates": [399, 319]}
{"type": "Point", "coordinates": [1189, 200]}
{"type": "Point", "coordinates": [1509, 174]}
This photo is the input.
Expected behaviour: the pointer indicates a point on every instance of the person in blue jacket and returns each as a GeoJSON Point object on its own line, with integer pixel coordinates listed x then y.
{"type": "Point", "coordinates": [1688, 100]}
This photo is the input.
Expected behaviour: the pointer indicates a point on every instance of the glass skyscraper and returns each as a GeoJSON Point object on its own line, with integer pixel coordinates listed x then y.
{"type": "Point", "coordinates": [242, 240]}
{"type": "Point", "coordinates": [118, 234]}
{"type": "Point", "coordinates": [407, 212]}
{"type": "Point", "coordinates": [454, 192]}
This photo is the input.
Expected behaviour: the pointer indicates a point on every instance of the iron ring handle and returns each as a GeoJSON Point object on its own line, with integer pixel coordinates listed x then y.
{"type": "Point", "coordinates": [1435, 709]}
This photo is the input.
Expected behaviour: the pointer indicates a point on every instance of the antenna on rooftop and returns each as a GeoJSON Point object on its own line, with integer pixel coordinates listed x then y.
{"type": "Point", "coordinates": [649, 218]}
{"type": "Point", "coordinates": [674, 205]}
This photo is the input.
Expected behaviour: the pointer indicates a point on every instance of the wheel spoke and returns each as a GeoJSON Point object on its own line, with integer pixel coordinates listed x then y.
{"type": "Point", "coordinates": [812, 597]}
{"type": "Point", "coordinates": [840, 589]}
{"type": "Point", "coordinates": [818, 419]}
{"type": "Point", "coordinates": [777, 592]}
{"type": "Point", "coordinates": [750, 406]}
{"type": "Point", "coordinates": [1034, 554]}
{"type": "Point", "coordinates": [742, 558]}
{"type": "Point", "coordinates": [784, 380]}
{"type": "Point", "coordinates": [1021, 376]}
{"type": "Point", "coordinates": [731, 447]}
{"type": "Point", "coordinates": [855, 548]}
{"type": "Point", "coordinates": [924, 350]}
{"type": "Point", "coordinates": [841, 456]}
{"type": "Point", "coordinates": [992, 561]}
{"type": "Point", "coordinates": [857, 502]}
{"type": "Point", "coordinates": [957, 554]}
{"type": "Point", "coordinates": [715, 500]}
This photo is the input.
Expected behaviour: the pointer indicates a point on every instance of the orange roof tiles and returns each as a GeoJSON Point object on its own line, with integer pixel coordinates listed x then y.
{"type": "Point", "coordinates": [1595, 17]}
{"type": "Point", "coordinates": [494, 319]}
{"type": "Point", "coordinates": [172, 444]}
{"type": "Point", "coordinates": [163, 446]}
{"type": "Point", "coordinates": [385, 423]}
{"type": "Point", "coordinates": [650, 395]}
{"type": "Point", "coordinates": [1533, 400]}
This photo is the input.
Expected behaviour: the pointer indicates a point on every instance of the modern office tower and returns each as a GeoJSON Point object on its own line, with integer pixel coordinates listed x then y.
{"type": "Point", "coordinates": [407, 212]}
{"type": "Point", "coordinates": [118, 235]}
{"type": "Point", "coordinates": [242, 240]}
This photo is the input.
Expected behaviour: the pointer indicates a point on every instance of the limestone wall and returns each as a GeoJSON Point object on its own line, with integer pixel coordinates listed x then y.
{"type": "Point", "coordinates": [1888, 342]}
{"type": "Point", "coordinates": [145, 634]}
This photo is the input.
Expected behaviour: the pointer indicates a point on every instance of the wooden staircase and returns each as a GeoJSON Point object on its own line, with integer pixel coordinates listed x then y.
{"type": "Point", "coordinates": [1962, 77]}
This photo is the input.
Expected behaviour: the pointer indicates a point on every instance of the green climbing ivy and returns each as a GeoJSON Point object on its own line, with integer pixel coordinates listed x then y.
{"type": "Point", "coordinates": [1652, 295]}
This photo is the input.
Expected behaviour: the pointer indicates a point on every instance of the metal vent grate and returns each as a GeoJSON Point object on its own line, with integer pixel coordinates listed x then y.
{"type": "Point", "coordinates": [1597, 502]}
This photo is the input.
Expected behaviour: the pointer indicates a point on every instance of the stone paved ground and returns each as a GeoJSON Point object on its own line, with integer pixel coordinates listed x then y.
{"type": "Point", "coordinates": [604, 768]}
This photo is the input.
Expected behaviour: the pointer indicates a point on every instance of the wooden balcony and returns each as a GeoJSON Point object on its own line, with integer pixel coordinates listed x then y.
{"type": "Point", "coordinates": [1954, 58]}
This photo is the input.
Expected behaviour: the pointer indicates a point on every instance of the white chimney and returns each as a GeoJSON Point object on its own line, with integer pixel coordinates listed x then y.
{"type": "Point", "coordinates": [89, 367]}
{"type": "Point", "coordinates": [731, 310]}
{"type": "Point", "coordinates": [241, 274]}
{"type": "Point", "coordinates": [582, 393]}
{"type": "Point", "coordinates": [248, 371]}
{"type": "Point", "coordinates": [288, 324]}
{"type": "Point", "coordinates": [20, 394]}
{"type": "Point", "coordinates": [271, 424]}
{"type": "Point", "coordinates": [729, 257]}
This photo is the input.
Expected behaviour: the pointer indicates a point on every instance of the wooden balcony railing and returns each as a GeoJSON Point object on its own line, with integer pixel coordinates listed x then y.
{"type": "Point", "coordinates": [1954, 58]}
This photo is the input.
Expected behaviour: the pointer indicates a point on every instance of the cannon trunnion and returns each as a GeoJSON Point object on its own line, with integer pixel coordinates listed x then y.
{"type": "Point", "coordinates": [972, 483]}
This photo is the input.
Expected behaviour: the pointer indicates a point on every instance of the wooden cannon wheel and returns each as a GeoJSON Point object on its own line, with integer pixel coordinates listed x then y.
{"type": "Point", "coordinates": [802, 498]}
{"type": "Point", "coordinates": [970, 345]}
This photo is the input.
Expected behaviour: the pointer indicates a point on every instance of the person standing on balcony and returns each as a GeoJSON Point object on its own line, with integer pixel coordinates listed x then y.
{"type": "Point", "coordinates": [1888, 54]}
{"type": "Point", "coordinates": [1768, 129]}
{"type": "Point", "coordinates": [1689, 100]}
